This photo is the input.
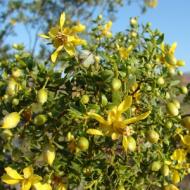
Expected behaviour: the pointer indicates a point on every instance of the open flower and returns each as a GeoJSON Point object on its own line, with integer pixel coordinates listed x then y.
{"type": "Point", "coordinates": [125, 52]}
{"type": "Point", "coordinates": [65, 38]}
{"type": "Point", "coordinates": [116, 125]}
{"type": "Point", "coordinates": [168, 58]}
{"type": "Point", "coordinates": [179, 155]}
{"type": "Point", "coordinates": [106, 30]}
{"type": "Point", "coordinates": [27, 180]}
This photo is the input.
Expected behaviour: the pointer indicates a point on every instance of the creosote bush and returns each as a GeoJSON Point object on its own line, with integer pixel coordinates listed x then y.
{"type": "Point", "coordinates": [101, 113]}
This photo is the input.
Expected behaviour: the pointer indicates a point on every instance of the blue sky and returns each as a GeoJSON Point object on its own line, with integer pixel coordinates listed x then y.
{"type": "Point", "coordinates": [170, 16]}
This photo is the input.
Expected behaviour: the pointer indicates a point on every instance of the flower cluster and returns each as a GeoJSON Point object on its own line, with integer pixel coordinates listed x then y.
{"type": "Point", "coordinates": [106, 116]}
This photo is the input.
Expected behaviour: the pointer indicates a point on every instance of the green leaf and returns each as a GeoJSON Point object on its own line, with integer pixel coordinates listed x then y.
{"type": "Point", "coordinates": [160, 39]}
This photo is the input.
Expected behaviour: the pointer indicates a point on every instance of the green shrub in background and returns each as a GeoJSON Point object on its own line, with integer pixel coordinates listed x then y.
{"type": "Point", "coordinates": [100, 113]}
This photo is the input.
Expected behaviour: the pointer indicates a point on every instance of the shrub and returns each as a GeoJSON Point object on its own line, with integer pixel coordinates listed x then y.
{"type": "Point", "coordinates": [101, 114]}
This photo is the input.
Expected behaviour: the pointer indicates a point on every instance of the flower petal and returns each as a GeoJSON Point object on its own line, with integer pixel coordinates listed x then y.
{"type": "Point", "coordinates": [62, 20]}
{"type": "Point", "coordinates": [70, 49]}
{"type": "Point", "coordinates": [185, 139]}
{"type": "Point", "coordinates": [9, 180]}
{"type": "Point", "coordinates": [55, 54]}
{"type": "Point", "coordinates": [97, 117]}
{"type": "Point", "coordinates": [125, 104]}
{"type": "Point", "coordinates": [94, 132]}
{"type": "Point", "coordinates": [172, 48]}
{"type": "Point", "coordinates": [125, 143]}
{"type": "Point", "coordinates": [40, 186]}
{"type": "Point", "coordinates": [78, 28]}
{"type": "Point", "coordinates": [35, 179]}
{"type": "Point", "coordinates": [26, 185]}
{"type": "Point", "coordinates": [28, 172]}
{"type": "Point", "coordinates": [13, 173]}
{"type": "Point", "coordinates": [115, 136]}
{"type": "Point", "coordinates": [137, 118]}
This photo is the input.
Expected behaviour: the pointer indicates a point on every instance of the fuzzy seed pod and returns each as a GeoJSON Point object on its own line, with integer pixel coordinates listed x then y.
{"type": "Point", "coordinates": [11, 120]}
{"type": "Point", "coordinates": [42, 96]}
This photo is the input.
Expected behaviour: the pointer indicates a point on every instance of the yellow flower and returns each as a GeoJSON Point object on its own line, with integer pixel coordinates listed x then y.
{"type": "Point", "coordinates": [11, 120]}
{"type": "Point", "coordinates": [124, 52]}
{"type": "Point", "coordinates": [106, 30]}
{"type": "Point", "coordinates": [175, 177]}
{"type": "Point", "coordinates": [116, 124]}
{"type": "Point", "coordinates": [168, 58]}
{"type": "Point", "coordinates": [27, 180]}
{"type": "Point", "coordinates": [179, 155]}
{"type": "Point", "coordinates": [186, 140]}
{"type": "Point", "coordinates": [65, 37]}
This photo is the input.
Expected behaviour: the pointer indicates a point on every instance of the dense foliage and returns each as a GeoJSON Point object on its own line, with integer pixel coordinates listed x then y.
{"type": "Point", "coordinates": [100, 113]}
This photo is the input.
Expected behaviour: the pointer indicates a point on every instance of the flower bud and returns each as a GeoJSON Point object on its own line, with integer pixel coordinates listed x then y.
{"type": "Point", "coordinates": [175, 177]}
{"type": "Point", "coordinates": [85, 99]}
{"type": "Point", "coordinates": [186, 122]}
{"type": "Point", "coordinates": [11, 120]}
{"type": "Point", "coordinates": [70, 137]}
{"type": "Point", "coordinates": [184, 90]}
{"type": "Point", "coordinates": [169, 124]}
{"type": "Point", "coordinates": [165, 170]}
{"type": "Point", "coordinates": [160, 81]}
{"type": "Point", "coordinates": [172, 109]}
{"type": "Point", "coordinates": [116, 84]}
{"type": "Point", "coordinates": [15, 101]}
{"type": "Point", "coordinates": [181, 63]}
{"type": "Point", "coordinates": [156, 165]}
{"type": "Point", "coordinates": [133, 22]}
{"type": "Point", "coordinates": [16, 73]}
{"type": "Point", "coordinates": [40, 119]}
{"type": "Point", "coordinates": [42, 96]}
{"type": "Point", "coordinates": [83, 143]}
{"type": "Point", "coordinates": [6, 134]}
{"type": "Point", "coordinates": [131, 144]}
{"type": "Point", "coordinates": [153, 136]}
{"type": "Point", "coordinates": [12, 87]}
{"type": "Point", "coordinates": [177, 104]}
{"type": "Point", "coordinates": [49, 155]}
{"type": "Point", "coordinates": [104, 100]}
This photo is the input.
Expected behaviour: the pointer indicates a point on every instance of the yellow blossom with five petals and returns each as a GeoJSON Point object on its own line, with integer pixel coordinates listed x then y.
{"type": "Point", "coordinates": [116, 125]}
{"type": "Point", "coordinates": [125, 52]}
{"type": "Point", "coordinates": [106, 29]}
{"type": "Point", "coordinates": [168, 56]}
{"type": "Point", "coordinates": [179, 155]}
{"type": "Point", "coordinates": [65, 37]}
{"type": "Point", "coordinates": [27, 180]}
